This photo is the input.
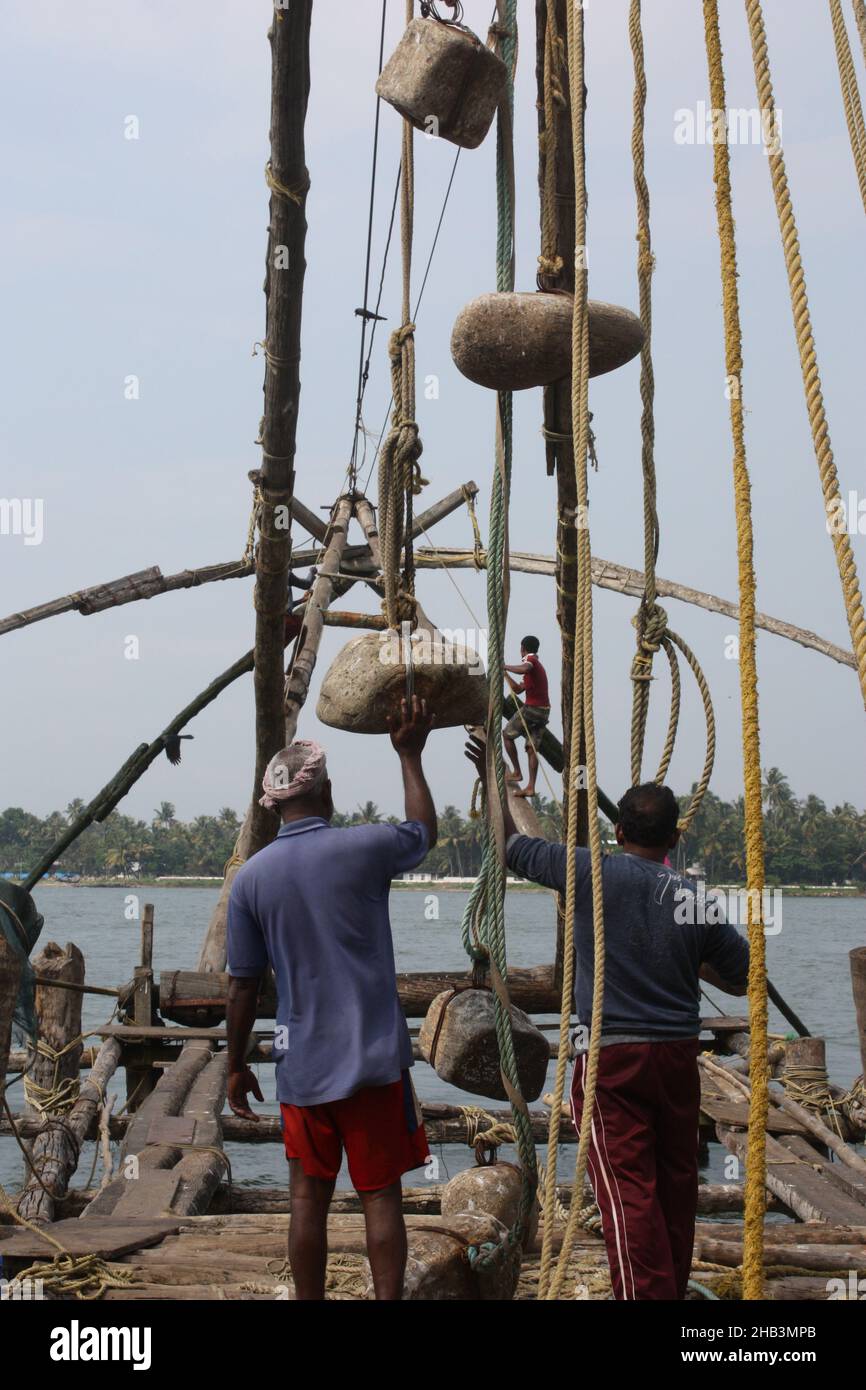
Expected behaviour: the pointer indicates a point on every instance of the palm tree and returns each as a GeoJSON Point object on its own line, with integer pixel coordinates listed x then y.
{"type": "Point", "coordinates": [368, 814]}
{"type": "Point", "coordinates": [777, 793]}
{"type": "Point", "coordinates": [451, 831]}
{"type": "Point", "coordinates": [164, 815]}
{"type": "Point", "coordinates": [74, 809]}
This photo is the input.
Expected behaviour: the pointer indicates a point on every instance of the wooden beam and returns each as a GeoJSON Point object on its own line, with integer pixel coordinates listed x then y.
{"type": "Point", "coordinates": [196, 997]}
{"type": "Point", "coordinates": [297, 683]}
{"type": "Point", "coordinates": [607, 574]}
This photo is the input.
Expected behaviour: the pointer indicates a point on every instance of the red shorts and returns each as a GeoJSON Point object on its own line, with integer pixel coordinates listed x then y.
{"type": "Point", "coordinates": [380, 1129]}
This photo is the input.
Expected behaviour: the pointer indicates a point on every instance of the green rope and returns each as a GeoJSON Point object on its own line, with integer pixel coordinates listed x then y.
{"type": "Point", "coordinates": [484, 917]}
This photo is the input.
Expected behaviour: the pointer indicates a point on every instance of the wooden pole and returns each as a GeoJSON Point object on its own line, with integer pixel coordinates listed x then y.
{"type": "Point", "coordinates": [297, 683]}
{"type": "Point", "coordinates": [289, 182]}
{"type": "Point", "coordinates": [11, 965]}
{"type": "Point", "coordinates": [857, 959]}
{"type": "Point", "coordinates": [142, 1078]}
{"type": "Point", "coordinates": [557, 144]}
{"type": "Point", "coordinates": [51, 1083]}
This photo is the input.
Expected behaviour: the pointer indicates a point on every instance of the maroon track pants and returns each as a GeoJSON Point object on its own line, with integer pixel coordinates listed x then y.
{"type": "Point", "coordinates": [643, 1162]}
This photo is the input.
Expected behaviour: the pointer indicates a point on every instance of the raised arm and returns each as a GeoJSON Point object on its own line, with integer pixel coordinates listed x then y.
{"type": "Point", "coordinates": [409, 730]}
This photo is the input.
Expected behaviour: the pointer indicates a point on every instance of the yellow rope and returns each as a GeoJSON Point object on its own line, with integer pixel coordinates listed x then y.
{"type": "Point", "coordinates": [759, 1070]}
{"type": "Point", "coordinates": [294, 195]}
{"type": "Point", "coordinates": [67, 1276]}
{"type": "Point", "coordinates": [850, 95]}
{"type": "Point", "coordinates": [806, 346]}
{"type": "Point", "coordinates": [62, 1094]}
{"type": "Point", "coordinates": [550, 1286]}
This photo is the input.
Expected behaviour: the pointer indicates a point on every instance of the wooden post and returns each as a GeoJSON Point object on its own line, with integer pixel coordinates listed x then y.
{"type": "Point", "coordinates": [51, 1084]}
{"type": "Point", "coordinates": [857, 959]}
{"type": "Point", "coordinates": [55, 1151]}
{"type": "Point", "coordinates": [557, 144]}
{"type": "Point", "coordinates": [11, 966]}
{"type": "Point", "coordinates": [289, 182]}
{"type": "Point", "coordinates": [142, 1078]}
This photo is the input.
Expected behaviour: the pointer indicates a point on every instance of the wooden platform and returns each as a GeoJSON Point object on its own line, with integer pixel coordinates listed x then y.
{"type": "Point", "coordinates": [244, 1257]}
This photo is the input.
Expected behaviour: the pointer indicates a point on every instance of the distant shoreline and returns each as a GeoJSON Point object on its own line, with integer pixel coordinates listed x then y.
{"type": "Point", "coordinates": [435, 885]}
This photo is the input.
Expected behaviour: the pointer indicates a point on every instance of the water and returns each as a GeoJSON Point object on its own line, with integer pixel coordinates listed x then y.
{"type": "Point", "coordinates": [807, 961]}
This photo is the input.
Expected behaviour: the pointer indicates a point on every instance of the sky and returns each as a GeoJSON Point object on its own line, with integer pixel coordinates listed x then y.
{"type": "Point", "coordinates": [145, 258]}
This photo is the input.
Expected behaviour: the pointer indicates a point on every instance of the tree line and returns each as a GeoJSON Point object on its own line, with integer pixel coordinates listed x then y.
{"type": "Point", "coordinates": [806, 842]}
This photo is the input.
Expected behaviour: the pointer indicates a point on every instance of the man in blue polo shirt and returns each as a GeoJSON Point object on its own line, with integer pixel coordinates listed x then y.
{"type": "Point", "coordinates": [314, 906]}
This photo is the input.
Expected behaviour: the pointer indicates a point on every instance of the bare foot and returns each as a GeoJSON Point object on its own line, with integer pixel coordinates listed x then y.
{"type": "Point", "coordinates": [513, 776]}
{"type": "Point", "coordinates": [525, 791]}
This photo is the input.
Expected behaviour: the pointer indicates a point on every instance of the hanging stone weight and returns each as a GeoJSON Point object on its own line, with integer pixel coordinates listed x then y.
{"type": "Point", "coordinates": [458, 1039]}
{"type": "Point", "coordinates": [367, 680]}
{"type": "Point", "coordinates": [510, 341]}
{"type": "Point", "coordinates": [437, 1269]}
{"type": "Point", "coordinates": [490, 1190]}
{"type": "Point", "coordinates": [444, 81]}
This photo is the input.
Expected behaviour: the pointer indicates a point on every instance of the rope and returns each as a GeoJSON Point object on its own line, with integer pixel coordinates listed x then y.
{"type": "Point", "coordinates": [651, 620]}
{"type": "Point", "coordinates": [850, 95]}
{"type": "Point", "coordinates": [67, 1276]}
{"type": "Point", "coordinates": [62, 1094]}
{"type": "Point", "coordinates": [759, 1066]}
{"type": "Point", "coordinates": [806, 346]}
{"type": "Point", "coordinates": [550, 1285]}
{"type": "Point", "coordinates": [483, 926]}
{"type": "Point", "coordinates": [399, 471]}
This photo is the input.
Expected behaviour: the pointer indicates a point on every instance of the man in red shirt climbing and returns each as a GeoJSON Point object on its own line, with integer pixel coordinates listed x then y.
{"type": "Point", "coordinates": [530, 719]}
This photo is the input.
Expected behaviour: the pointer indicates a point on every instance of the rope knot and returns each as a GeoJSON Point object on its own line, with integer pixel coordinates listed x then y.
{"type": "Point", "coordinates": [652, 627]}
